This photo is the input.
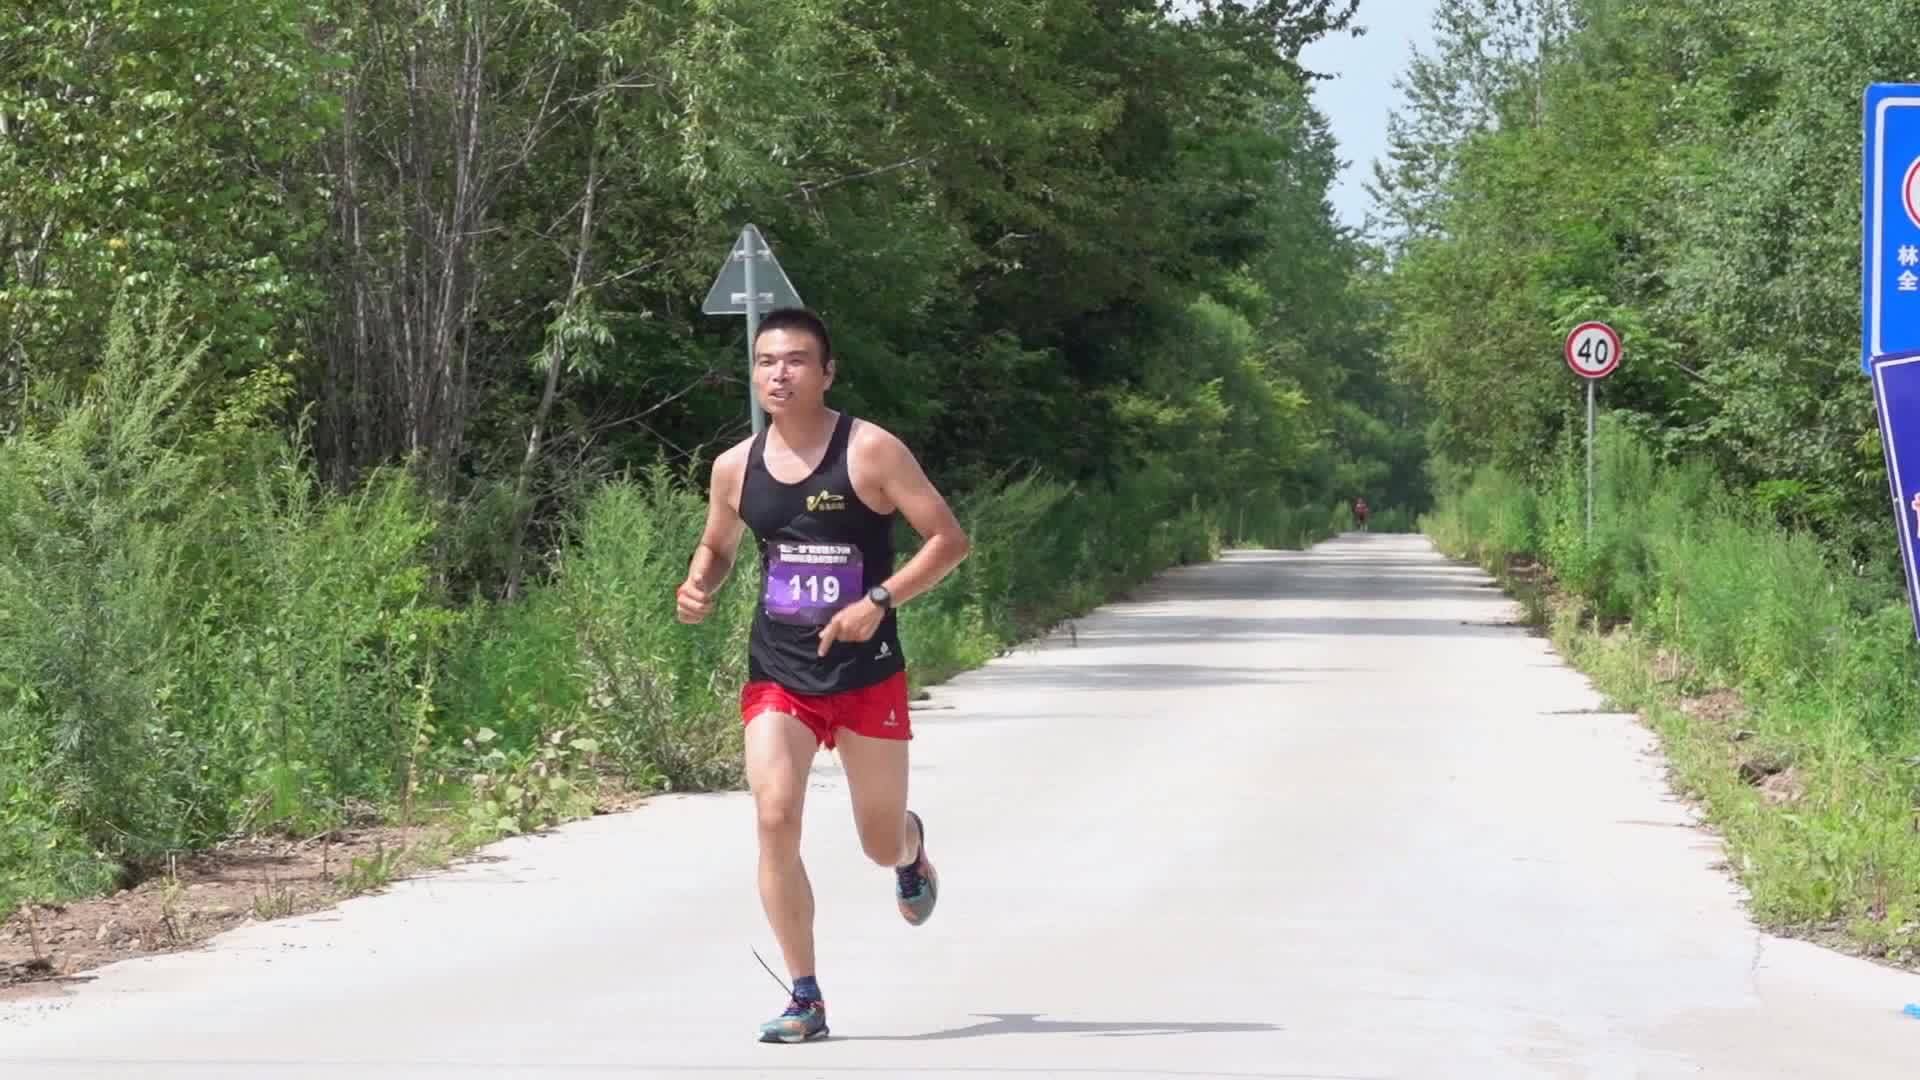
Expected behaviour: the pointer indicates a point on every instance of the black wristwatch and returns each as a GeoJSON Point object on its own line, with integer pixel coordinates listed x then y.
{"type": "Point", "coordinates": [881, 598]}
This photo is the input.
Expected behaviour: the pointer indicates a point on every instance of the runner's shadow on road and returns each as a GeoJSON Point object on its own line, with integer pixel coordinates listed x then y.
{"type": "Point", "coordinates": [1031, 1024]}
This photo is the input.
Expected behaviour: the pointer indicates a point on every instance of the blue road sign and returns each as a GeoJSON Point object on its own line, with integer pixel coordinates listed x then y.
{"type": "Point", "coordinates": [1896, 396]}
{"type": "Point", "coordinates": [1890, 223]}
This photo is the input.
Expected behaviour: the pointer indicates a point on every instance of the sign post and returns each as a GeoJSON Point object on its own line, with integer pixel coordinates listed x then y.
{"type": "Point", "coordinates": [750, 282]}
{"type": "Point", "coordinates": [1890, 223]}
{"type": "Point", "coordinates": [1593, 352]}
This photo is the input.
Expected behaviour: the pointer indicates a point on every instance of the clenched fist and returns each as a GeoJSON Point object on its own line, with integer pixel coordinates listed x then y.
{"type": "Point", "coordinates": [694, 602]}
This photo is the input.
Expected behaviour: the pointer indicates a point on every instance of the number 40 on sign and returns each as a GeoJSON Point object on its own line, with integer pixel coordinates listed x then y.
{"type": "Point", "coordinates": [1593, 350]}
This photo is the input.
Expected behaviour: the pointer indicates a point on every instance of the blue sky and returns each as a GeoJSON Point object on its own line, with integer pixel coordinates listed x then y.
{"type": "Point", "coordinates": [1357, 101]}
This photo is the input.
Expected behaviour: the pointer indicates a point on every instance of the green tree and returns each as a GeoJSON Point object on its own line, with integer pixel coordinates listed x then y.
{"type": "Point", "coordinates": [143, 141]}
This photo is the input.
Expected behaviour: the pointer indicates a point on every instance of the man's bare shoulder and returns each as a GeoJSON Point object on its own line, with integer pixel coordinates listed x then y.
{"type": "Point", "coordinates": [874, 444]}
{"type": "Point", "coordinates": [728, 469]}
{"type": "Point", "coordinates": [733, 458]}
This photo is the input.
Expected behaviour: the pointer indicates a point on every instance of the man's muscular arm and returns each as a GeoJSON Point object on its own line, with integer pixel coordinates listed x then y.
{"type": "Point", "coordinates": [907, 486]}
{"type": "Point", "coordinates": [902, 482]}
{"type": "Point", "coordinates": [719, 542]}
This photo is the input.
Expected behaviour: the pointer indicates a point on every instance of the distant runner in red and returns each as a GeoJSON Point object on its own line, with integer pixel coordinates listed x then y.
{"type": "Point", "coordinates": [821, 491]}
{"type": "Point", "coordinates": [1360, 513]}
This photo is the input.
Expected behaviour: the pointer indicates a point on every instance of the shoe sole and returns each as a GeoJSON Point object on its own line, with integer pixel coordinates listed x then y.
{"type": "Point", "coordinates": [769, 1037]}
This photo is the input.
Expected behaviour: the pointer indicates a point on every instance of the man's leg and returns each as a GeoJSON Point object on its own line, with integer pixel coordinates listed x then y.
{"type": "Point", "coordinates": [779, 753]}
{"type": "Point", "coordinates": [877, 780]}
{"type": "Point", "coordinates": [876, 767]}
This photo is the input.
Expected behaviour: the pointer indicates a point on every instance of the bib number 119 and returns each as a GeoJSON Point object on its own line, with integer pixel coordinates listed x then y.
{"type": "Point", "coordinates": [815, 589]}
{"type": "Point", "coordinates": [807, 583]}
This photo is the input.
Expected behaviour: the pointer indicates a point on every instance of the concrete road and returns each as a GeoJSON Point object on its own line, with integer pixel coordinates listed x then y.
{"type": "Point", "coordinates": [1286, 815]}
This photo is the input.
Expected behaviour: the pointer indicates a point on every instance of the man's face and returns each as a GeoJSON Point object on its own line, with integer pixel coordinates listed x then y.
{"type": "Point", "coordinates": [787, 373]}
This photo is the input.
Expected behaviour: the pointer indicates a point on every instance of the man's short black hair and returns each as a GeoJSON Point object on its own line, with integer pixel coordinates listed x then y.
{"type": "Point", "coordinates": [799, 318]}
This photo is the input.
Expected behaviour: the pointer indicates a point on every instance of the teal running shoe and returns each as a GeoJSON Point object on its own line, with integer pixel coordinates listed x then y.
{"type": "Point", "coordinates": [916, 885]}
{"type": "Point", "coordinates": [803, 1020]}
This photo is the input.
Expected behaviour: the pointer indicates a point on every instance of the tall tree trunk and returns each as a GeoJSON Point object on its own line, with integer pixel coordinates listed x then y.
{"type": "Point", "coordinates": [556, 361]}
{"type": "Point", "coordinates": [412, 208]}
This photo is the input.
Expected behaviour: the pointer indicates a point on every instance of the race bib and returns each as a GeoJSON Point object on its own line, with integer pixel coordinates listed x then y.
{"type": "Point", "coordinates": [807, 583]}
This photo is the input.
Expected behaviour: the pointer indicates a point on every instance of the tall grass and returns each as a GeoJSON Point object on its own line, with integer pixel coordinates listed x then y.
{"type": "Point", "coordinates": [1816, 778]}
{"type": "Point", "coordinates": [188, 648]}
{"type": "Point", "coordinates": [199, 640]}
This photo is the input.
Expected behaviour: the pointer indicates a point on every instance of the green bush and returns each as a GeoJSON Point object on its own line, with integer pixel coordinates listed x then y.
{"type": "Point", "coordinates": [1494, 515]}
{"type": "Point", "coordinates": [1392, 520]}
{"type": "Point", "coordinates": [183, 655]}
{"type": "Point", "coordinates": [664, 694]}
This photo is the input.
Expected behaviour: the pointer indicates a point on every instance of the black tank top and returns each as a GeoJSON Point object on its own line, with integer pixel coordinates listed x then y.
{"type": "Point", "coordinates": [821, 549]}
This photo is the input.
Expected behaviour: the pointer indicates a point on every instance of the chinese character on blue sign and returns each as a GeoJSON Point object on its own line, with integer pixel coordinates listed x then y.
{"type": "Point", "coordinates": [1890, 223]}
{"type": "Point", "coordinates": [1896, 396]}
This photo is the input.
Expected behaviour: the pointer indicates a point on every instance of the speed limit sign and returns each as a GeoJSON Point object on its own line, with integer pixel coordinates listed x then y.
{"type": "Point", "coordinates": [1593, 350]}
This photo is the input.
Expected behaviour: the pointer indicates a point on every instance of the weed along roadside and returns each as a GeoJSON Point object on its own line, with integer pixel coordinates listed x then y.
{"type": "Point", "coordinates": [399, 732]}
{"type": "Point", "coordinates": [1782, 687]}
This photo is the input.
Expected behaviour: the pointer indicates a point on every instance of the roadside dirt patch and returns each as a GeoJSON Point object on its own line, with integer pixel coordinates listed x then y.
{"type": "Point", "coordinates": [1768, 770]}
{"type": "Point", "coordinates": [1785, 786]}
{"type": "Point", "coordinates": [1526, 568]}
{"type": "Point", "coordinates": [1720, 708]}
{"type": "Point", "coordinates": [207, 893]}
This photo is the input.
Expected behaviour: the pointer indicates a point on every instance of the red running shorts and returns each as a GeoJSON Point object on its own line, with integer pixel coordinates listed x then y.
{"type": "Point", "coordinates": [878, 711]}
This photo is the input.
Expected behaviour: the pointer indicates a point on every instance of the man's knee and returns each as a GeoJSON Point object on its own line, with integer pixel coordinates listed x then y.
{"type": "Point", "coordinates": [777, 811]}
{"type": "Point", "coordinates": [778, 802]}
{"type": "Point", "coordinates": [884, 850]}
{"type": "Point", "coordinates": [886, 842]}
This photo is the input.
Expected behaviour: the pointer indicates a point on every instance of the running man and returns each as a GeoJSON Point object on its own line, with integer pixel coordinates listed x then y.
{"type": "Point", "coordinates": [821, 491]}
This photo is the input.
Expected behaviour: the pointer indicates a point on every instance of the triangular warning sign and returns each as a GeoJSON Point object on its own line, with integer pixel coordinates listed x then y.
{"type": "Point", "coordinates": [770, 285]}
